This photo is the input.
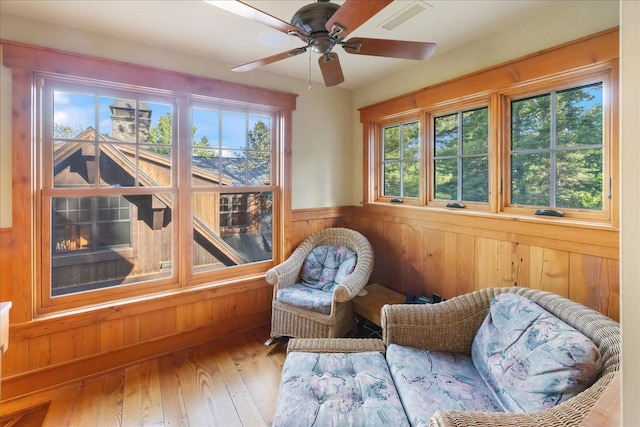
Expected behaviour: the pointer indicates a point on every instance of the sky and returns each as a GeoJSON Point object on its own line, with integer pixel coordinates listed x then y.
{"type": "Point", "coordinates": [78, 111]}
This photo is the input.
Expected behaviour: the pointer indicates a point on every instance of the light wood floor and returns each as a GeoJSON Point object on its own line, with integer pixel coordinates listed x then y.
{"type": "Point", "coordinates": [229, 382]}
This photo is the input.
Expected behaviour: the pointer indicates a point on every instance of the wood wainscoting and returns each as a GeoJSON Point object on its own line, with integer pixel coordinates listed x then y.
{"type": "Point", "coordinates": [426, 251]}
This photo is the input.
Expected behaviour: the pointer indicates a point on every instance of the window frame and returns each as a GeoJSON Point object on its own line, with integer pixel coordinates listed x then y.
{"type": "Point", "coordinates": [379, 159]}
{"type": "Point", "coordinates": [557, 84]}
{"type": "Point", "coordinates": [30, 63]}
{"type": "Point", "coordinates": [451, 108]}
{"type": "Point", "coordinates": [497, 98]}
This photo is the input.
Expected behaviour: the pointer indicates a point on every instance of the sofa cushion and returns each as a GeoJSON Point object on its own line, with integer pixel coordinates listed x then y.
{"type": "Point", "coordinates": [530, 359]}
{"type": "Point", "coordinates": [428, 381]}
{"type": "Point", "coordinates": [327, 266]}
{"type": "Point", "coordinates": [306, 297]}
{"type": "Point", "coordinates": [337, 389]}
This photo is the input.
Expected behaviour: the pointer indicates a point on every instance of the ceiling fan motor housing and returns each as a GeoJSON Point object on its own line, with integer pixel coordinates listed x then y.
{"type": "Point", "coordinates": [312, 18]}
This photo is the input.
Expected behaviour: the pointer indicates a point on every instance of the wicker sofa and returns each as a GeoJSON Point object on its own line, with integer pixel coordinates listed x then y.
{"type": "Point", "coordinates": [449, 327]}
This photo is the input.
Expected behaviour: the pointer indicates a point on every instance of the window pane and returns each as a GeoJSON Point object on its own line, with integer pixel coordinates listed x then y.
{"type": "Point", "coordinates": [475, 179]}
{"type": "Point", "coordinates": [530, 179]}
{"type": "Point", "coordinates": [579, 116]}
{"type": "Point", "coordinates": [446, 179]}
{"type": "Point", "coordinates": [391, 143]}
{"type": "Point", "coordinates": [231, 229]}
{"type": "Point", "coordinates": [411, 141]}
{"type": "Point", "coordinates": [234, 131]}
{"type": "Point", "coordinates": [579, 182]}
{"type": "Point", "coordinates": [392, 179]}
{"type": "Point", "coordinates": [411, 179]}
{"type": "Point", "coordinates": [475, 131]}
{"type": "Point", "coordinates": [259, 168]}
{"type": "Point", "coordinates": [446, 135]}
{"type": "Point", "coordinates": [73, 164]}
{"type": "Point", "coordinates": [531, 123]}
{"type": "Point", "coordinates": [72, 224]}
{"type": "Point", "coordinates": [118, 165]}
{"type": "Point", "coordinates": [235, 163]}
{"type": "Point", "coordinates": [73, 115]}
{"type": "Point", "coordinates": [98, 253]}
{"type": "Point", "coordinates": [154, 168]}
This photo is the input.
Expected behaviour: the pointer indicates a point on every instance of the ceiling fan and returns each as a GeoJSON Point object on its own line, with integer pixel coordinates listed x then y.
{"type": "Point", "coordinates": [323, 25]}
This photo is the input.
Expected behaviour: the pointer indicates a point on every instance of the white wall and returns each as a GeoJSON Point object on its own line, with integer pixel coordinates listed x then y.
{"type": "Point", "coordinates": [321, 123]}
{"type": "Point", "coordinates": [630, 217]}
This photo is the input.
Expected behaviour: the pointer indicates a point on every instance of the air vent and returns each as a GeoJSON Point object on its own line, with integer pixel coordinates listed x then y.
{"type": "Point", "coordinates": [405, 14]}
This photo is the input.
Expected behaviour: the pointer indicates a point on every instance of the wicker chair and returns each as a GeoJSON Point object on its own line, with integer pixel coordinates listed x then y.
{"type": "Point", "coordinates": [291, 321]}
{"type": "Point", "coordinates": [451, 326]}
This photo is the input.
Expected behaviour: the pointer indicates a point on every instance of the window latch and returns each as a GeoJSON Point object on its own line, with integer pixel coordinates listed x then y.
{"type": "Point", "coordinates": [549, 212]}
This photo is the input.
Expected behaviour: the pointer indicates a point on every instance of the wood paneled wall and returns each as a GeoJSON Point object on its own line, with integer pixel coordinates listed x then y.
{"type": "Point", "coordinates": [425, 252]}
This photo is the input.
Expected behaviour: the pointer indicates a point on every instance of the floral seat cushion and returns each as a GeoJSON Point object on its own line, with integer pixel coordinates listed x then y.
{"type": "Point", "coordinates": [530, 359]}
{"type": "Point", "coordinates": [324, 268]}
{"type": "Point", "coordinates": [305, 297]}
{"type": "Point", "coordinates": [337, 389]}
{"type": "Point", "coordinates": [428, 381]}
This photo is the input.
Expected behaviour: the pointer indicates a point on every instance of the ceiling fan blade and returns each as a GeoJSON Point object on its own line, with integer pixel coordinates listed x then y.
{"type": "Point", "coordinates": [389, 48]}
{"type": "Point", "coordinates": [331, 69]}
{"type": "Point", "coordinates": [354, 13]}
{"type": "Point", "coordinates": [269, 59]}
{"type": "Point", "coordinates": [250, 12]}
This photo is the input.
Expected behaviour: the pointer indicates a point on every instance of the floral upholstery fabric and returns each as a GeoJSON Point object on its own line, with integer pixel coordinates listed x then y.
{"type": "Point", "coordinates": [337, 389]}
{"type": "Point", "coordinates": [428, 381]}
{"type": "Point", "coordinates": [306, 297]}
{"type": "Point", "coordinates": [327, 266]}
{"type": "Point", "coordinates": [530, 359]}
{"type": "Point", "coordinates": [324, 268]}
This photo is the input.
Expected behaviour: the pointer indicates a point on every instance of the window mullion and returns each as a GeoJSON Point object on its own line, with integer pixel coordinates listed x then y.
{"type": "Point", "coordinates": [553, 173]}
{"type": "Point", "coordinates": [460, 133]}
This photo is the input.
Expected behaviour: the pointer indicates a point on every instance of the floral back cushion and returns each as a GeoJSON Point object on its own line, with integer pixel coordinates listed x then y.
{"type": "Point", "coordinates": [327, 266]}
{"type": "Point", "coordinates": [530, 359]}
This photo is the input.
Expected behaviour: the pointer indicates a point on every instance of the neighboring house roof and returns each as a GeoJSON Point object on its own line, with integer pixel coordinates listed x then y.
{"type": "Point", "coordinates": [234, 169]}
{"type": "Point", "coordinates": [237, 249]}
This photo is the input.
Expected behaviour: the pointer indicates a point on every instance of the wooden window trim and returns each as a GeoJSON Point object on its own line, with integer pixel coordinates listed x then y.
{"type": "Point", "coordinates": [596, 53]}
{"type": "Point", "coordinates": [27, 60]}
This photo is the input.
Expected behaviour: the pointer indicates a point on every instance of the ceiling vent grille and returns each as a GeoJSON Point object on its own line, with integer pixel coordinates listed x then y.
{"type": "Point", "coordinates": [404, 15]}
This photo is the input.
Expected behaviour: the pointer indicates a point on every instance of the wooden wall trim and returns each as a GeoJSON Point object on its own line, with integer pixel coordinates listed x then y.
{"type": "Point", "coordinates": [564, 235]}
{"type": "Point", "coordinates": [321, 213]}
{"type": "Point", "coordinates": [57, 375]}
{"type": "Point", "coordinates": [601, 47]}
{"type": "Point", "coordinates": [62, 321]}
{"type": "Point", "coordinates": [28, 57]}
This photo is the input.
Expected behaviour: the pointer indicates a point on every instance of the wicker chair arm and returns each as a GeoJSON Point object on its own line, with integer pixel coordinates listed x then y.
{"type": "Point", "coordinates": [357, 280]}
{"type": "Point", "coordinates": [287, 272]}
{"type": "Point", "coordinates": [447, 326]}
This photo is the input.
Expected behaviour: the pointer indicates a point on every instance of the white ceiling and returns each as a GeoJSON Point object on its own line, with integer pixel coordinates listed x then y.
{"type": "Point", "coordinates": [198, 28]}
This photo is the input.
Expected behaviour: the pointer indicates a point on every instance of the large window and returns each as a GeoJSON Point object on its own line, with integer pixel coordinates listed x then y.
{"type": "Point", "coordinates": [541, 148]}
{"type": "Point", "coordinates": [136, 198]}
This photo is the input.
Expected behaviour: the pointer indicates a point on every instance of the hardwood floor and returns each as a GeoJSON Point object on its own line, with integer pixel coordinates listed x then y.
{"type": "Point", "coordinates": [229, 382]}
